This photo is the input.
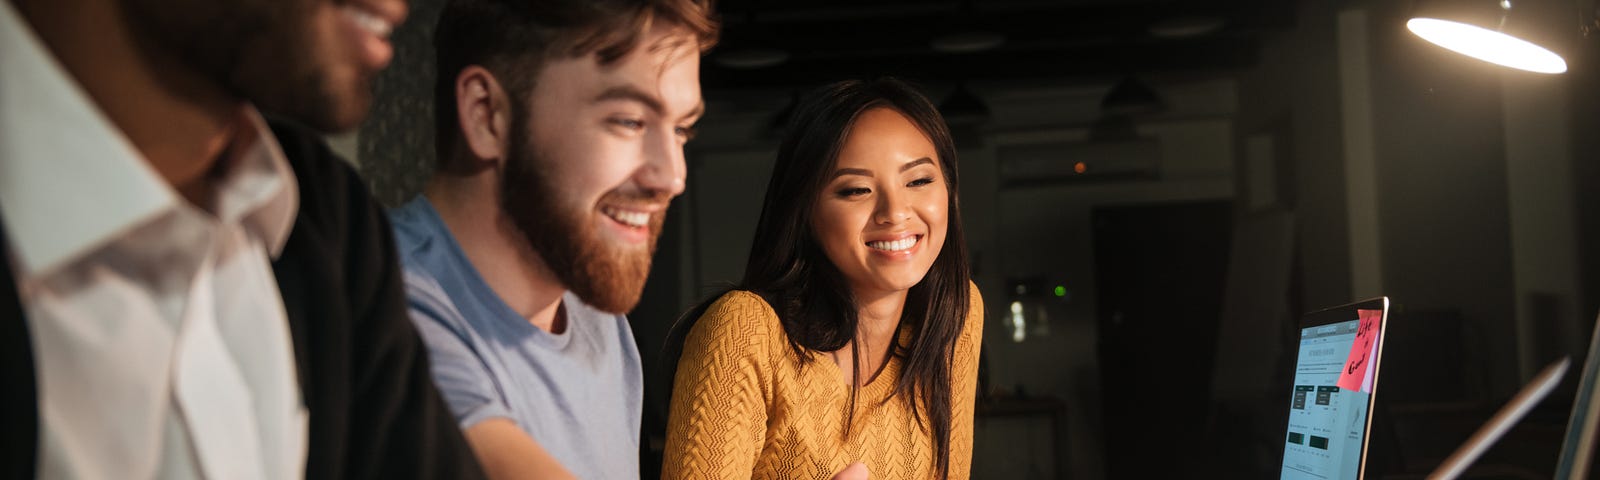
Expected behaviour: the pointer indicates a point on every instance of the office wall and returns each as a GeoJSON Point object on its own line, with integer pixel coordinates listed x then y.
{"type": "Point", "coordinates": [394, 147]}
{"type": "Point", "coordinates": [1293, 98]}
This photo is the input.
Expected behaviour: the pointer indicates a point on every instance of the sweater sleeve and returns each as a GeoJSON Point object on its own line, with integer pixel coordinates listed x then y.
{"type": "Point", "coordinates": [721, 391]}
{"type": "Point", "coordinates": [964, 387]}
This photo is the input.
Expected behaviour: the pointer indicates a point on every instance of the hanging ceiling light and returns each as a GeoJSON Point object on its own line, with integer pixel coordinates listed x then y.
{"type": "Point", "coordinates": [1187, 26]}
{"type": "Point", "coordinates": [750, 58]}
{"type": "Point", "coordinates": [749, 53]}
{"type": "Point", "coordinates": [962, 107]}
{"type": "Point", "coordinates": [968, 34]}
{"type": "Point", "coordinates": [970, 41]}
{"type": "Point", "coordinates": [1495, 31]}
{"type": "Point", "coordinates": [1131, 97]}
{"type": "Point", "coordinates": [1128, 99]}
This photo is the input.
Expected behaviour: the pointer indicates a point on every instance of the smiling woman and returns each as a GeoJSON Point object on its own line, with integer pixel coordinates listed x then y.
{"type": "Point", "coordinates": [881, 219]}
{"type": "Point", "coordinates": [862, 263]}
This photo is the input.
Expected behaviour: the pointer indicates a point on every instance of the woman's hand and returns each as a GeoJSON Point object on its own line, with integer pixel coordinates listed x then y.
{"type": "Point", "coordinates": [856, 471]}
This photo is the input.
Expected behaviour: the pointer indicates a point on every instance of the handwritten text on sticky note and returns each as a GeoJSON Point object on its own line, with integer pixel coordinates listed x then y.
{"type": "Point", "coordinates": [1357, 373]}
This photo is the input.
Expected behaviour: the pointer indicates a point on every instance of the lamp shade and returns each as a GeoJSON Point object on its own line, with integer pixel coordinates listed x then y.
{"type": "Point", "coordinates": [750, 58]}
{"type": "Point", "coordinates": [962, 107]}
{"type": "Point", "coordinates": [1511, 33]}
{"type": "Point", "coordinates": [1132, 97]}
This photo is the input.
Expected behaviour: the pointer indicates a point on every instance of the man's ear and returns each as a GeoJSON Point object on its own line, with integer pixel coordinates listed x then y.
{"type": "Point", "coordinates": [483, 112]}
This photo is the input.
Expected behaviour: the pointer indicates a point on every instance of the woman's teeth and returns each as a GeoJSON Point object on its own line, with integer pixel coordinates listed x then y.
{"type": "Point", "coordinates": [629, 218]}
{"type": "Point", "coordinates": [894, 246]}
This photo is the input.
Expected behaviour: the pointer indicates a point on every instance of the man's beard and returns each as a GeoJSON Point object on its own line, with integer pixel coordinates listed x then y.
{"type": "Point", "coordinates": [563, 235]}
{"type": "Point", "coordinates": [268, 52]}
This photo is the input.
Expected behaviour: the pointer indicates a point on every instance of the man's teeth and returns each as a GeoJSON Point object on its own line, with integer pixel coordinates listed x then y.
{"type": "Point", "coordinates": [894, 246]}
{"type": "Point", "coordinates": [629, 218]}
{"type": "Point", "coordinates": [369, 22]}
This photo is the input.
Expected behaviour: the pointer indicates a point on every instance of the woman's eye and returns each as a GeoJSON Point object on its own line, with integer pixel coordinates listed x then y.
{"type": "Point", "coordinates": [854, 192]}
{"type": "Point", "coordinates": [920, 182]}
{"type": "Point", "coordinates": [685, 133]}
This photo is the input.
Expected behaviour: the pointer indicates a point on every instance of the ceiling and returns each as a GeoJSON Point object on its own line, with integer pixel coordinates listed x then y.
{"type": "Point", "coordinates": [825, 40]}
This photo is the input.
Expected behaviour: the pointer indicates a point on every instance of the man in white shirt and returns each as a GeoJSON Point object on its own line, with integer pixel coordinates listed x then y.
{"type": "Point", "coordinates": [190, 291]}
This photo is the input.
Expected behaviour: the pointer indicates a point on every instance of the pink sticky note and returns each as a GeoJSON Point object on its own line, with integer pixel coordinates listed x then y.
{"type": "Point", "coordinates": [1366, 381]}
{"type": "Point", "coordinates": [1358, 368]}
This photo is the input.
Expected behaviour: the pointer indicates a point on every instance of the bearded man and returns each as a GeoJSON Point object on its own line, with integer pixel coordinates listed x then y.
{"type": "Point", "coordinates": [561, 127]}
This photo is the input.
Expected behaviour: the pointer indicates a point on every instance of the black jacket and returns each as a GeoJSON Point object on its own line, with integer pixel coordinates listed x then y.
{"type": "Point", "coordinates": [364, 374]}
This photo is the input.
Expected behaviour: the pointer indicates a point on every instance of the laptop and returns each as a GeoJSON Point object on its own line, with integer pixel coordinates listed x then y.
{"type": "Point", "coordinates": [1335, 387]}
{"type": "Point", "coordinates": [1335, 379]}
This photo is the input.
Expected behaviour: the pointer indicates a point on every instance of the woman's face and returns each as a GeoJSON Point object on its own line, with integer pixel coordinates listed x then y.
{"type": "Point", "coordinates": [882, 214]}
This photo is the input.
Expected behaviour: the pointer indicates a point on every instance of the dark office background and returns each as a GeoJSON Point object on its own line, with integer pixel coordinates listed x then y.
{"type": "Point", "coordinates": [1153, 191]}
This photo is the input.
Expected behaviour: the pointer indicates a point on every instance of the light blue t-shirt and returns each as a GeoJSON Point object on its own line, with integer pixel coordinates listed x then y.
{"type": "Point", "coordinates": [577, 393]}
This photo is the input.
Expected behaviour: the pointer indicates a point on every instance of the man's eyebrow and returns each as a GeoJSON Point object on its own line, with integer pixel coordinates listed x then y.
{"type": "Point", "coordinates": [629, 93]}
{"type": "Point", "coordinates": [695, 113]}
{"type": "Point", "coordinates": [633, 94]}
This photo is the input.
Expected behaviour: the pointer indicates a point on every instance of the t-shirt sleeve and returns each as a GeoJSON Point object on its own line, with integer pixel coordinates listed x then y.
{"type": "Point", "coordinates": [720, 394]}
{"type": "Point", "coordinates": [458, 369]}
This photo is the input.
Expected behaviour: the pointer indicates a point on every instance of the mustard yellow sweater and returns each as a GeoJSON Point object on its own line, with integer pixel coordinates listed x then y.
{"type": "Point", "coordinates": [744, 407]}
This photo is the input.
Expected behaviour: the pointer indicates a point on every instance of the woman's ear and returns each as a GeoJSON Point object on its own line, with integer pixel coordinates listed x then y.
{"type": "Point", "coordinates": [483, 112]}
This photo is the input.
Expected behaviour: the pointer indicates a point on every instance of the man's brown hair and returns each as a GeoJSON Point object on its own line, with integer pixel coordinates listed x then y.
{"type": "Point", "coordinates": [514, 38]}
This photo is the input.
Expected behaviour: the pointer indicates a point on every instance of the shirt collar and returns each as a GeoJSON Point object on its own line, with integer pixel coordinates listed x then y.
{"type": "Point", "coordinates": [70, 181]}
{"type": "Point", "coordinates": [259, 189]}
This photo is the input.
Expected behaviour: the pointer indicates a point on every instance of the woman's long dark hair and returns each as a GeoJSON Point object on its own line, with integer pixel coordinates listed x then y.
{"type": "Point", "coordinates": [813, 301]}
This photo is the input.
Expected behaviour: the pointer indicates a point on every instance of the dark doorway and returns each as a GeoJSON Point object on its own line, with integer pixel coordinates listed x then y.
{"type": "Point", "coordinates": [1160, 271]}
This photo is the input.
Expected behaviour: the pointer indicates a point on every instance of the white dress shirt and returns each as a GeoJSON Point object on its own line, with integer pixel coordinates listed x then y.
{"type": "Point", "coordinates": [160, 342]}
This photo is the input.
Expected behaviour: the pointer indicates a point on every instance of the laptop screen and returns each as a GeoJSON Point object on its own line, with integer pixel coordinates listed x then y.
{"type": "Point", "coordinates": [1326, 423]}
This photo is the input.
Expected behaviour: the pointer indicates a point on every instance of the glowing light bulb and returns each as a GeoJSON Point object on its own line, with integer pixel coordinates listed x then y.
{"type": "Point", "coordinates": [1019, 324]}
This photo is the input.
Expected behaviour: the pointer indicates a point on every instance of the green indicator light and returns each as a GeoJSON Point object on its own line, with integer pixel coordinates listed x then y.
{"type": "Point", "coordinates": [1061, 291]}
